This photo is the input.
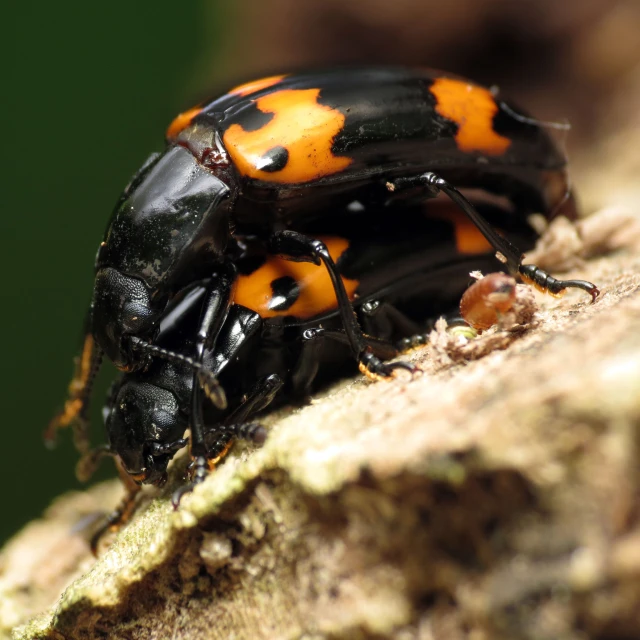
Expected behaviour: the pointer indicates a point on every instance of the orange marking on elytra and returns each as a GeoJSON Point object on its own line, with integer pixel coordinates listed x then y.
{"type": "Point", "coordinates": [316, 291]}
{"type": "Point", "coordinates": [472, 108]}
{"type": "Point", "coordinates": [469, 239]}
{"type": "Point", "coordinates": [181, 122]}
{"type": "Point", "coordinates": [303, 127]}
{"type": "Point", "coordinates": [256, 85]}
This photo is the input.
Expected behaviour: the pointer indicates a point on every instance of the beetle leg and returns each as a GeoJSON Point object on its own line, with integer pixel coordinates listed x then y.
{"type": "Point", "coordinates": [200, 471]}
{"type": "Point", "coordinates": [214, 313]}
{"type": "Point", "coordinates": [370, 362]}
{"type": "Point", "coordinates": [296, 247]}
{"type": "Point", "coordinates": [383, 319]}
{"type": "Point", "coordinates": [307, 365]}
{"type": "Point", "coordinates": [90, 461]}
{"type": "Point", "coordinates": [381, 348]}
{"type": "Point", "coordinates": [168, 448]}
{"type": "Point", "coordinates": [260, 397]}
{"type": "Point", "coordinates": [121, 514]}
{"type": "Point", "coordinates": [219, 439]}
{"type": "Point", "coordinates": [290, 245]}
{"type": "Point", "coordinates": [313, 340]}
{"type": "Point", "coordinates": [546, 283]}
{"type": "Point", "coordinates": [235, 425]}
{"type": "Point", "coordinates": [76, 408]}
{"type": "Point", "coordinates": [505, 251]}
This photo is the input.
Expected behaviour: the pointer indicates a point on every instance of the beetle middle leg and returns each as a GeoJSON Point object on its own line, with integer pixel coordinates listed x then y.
{"type": "Point", "coordinates": [505, 251]}
{"type": "Point", "coordinates": [296, 247]}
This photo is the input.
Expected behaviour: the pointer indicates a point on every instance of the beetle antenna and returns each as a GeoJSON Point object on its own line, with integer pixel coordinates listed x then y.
{"type": "Point", "coordinates": [208, 380]}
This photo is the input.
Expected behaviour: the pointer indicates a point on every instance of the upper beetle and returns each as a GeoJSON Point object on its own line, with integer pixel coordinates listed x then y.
{"type": "Point", "coordinates": [277, 153]}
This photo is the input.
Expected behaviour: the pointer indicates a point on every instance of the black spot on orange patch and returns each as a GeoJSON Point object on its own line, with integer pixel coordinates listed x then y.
{"type": "Point", "coordinates": [472, 108]}
{"type": "Point", "coordinates": [315, 291]}
{"type": "Point", "coordinates": [274, 160]}
{"type": "Point", "coordinates": [302, 126]}
{"type": "Point", "coordinates": [285, 292]}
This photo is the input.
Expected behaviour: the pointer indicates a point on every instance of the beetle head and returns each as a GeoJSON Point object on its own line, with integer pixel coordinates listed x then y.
{"type": "Point", "coordinates": [145, 429]}
{"type": "Point", "coordinates": [121, 307]}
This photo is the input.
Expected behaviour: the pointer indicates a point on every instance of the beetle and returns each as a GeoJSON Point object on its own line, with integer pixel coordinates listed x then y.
{"type": "Point", "coordinates": [272, 156]}
{"type": "Point", "coordinates": [284, 336]}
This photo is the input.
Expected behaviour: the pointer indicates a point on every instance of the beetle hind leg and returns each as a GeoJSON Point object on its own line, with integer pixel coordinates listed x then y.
{"type": "Point", "coordinates": [505, 251]}
{"type": "Point", "coordinates": [546, 283]}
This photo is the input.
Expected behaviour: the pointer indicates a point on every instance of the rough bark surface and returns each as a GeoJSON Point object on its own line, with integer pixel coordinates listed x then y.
{"type": "Point", "coordinates": [497, 496]}
{"type": "Point", "coordinates": [494, 498]}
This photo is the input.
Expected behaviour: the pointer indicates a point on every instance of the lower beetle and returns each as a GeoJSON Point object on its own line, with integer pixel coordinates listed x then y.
{"type": "Point", "coordinates": [285, 332]}
{"type": "Point", "coordinates": [277, 154]}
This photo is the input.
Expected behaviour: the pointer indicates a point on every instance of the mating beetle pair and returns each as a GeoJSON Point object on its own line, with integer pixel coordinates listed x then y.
{"type": "Point", "coordinates": [260, 172]}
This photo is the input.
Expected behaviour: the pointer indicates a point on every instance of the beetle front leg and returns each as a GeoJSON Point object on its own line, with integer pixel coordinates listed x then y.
{"type": "Point", "coordinates": [219, 439]}
{"type": "Point", "coordinates": [214, 313]}
{"type": "Point", "coordinates": [76, 408]}
{"type": "Point", "coordinates": [121, 514]}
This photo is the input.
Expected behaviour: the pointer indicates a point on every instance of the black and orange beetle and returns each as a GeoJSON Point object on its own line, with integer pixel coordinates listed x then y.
{"type": "Point", "coordinates": [267, 160]}
{"type": "Point", "coordinates": [283, 336]}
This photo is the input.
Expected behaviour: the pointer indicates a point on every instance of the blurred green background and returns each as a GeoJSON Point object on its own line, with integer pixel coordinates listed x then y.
{"type": "Point", "coordinates": [89, 90]}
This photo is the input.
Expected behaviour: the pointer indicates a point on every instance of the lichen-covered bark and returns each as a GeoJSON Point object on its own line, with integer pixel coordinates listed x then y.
{"type": "Point", "coordinates": [496, 498]}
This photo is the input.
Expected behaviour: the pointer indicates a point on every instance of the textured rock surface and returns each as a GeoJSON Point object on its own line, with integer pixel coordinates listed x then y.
{"type": "Point", "coordinates": [497, 498]}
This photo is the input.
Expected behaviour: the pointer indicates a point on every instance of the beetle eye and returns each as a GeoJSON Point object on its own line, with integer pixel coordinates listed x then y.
{"type": "Point", "coordinates": [137, 316]}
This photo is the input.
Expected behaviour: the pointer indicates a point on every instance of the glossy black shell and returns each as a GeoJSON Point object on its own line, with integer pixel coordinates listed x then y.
{"type": "Point", "coordinates": [283, 153]}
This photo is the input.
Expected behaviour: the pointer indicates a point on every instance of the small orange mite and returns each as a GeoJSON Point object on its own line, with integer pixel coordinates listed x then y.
{"type": "Point", "coordinates": [484, 301]}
